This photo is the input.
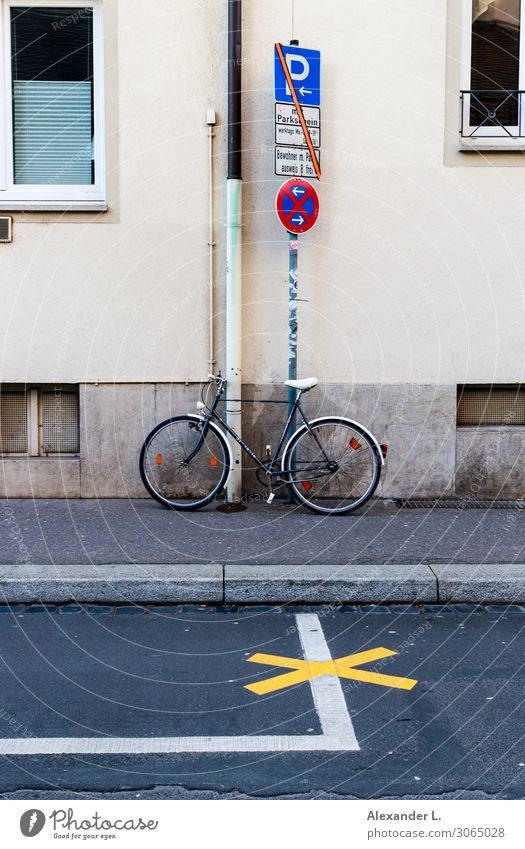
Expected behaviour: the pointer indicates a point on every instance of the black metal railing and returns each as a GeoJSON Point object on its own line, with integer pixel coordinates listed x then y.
{"type": "Point", "coordinates": [491, 113]}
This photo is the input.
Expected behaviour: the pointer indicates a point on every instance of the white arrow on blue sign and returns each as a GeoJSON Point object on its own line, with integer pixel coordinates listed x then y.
{"type": "Point", "coordinates": [305, 71]}
{"type": "Point", "coordinates": [298, 191]}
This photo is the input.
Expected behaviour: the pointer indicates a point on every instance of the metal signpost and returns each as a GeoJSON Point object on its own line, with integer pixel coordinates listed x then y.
{"type": "Point", "coordinates": [297, 155]}
{"type": "Point", "coordinates": [297, 206]}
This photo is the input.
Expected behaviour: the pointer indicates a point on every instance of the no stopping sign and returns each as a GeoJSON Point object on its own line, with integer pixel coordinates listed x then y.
{"type": "Point", "coordinates": [297, 205]}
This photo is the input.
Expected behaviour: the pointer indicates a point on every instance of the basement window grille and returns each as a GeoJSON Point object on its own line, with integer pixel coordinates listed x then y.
{"type": "Point", "coordinates": [13, 423]}
{"type": "Point", "coordinates": [60, 425]}
{"type": "Point", "coordinates": [496, 406]}
{"type": "Point", "coordinates": [39, 421]}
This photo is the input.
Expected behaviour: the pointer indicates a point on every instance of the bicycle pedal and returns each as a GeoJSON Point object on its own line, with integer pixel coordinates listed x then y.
{"type": "Point", "coordinates": [270, 498]}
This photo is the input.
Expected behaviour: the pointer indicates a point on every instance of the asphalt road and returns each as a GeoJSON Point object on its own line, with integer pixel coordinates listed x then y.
{"type": "Point", "coordinates": [140, 531]}
{"type": "Point", "coordinates": [182, 672]}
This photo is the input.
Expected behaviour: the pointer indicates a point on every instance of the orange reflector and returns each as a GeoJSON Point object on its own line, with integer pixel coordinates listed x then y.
{"type": "Point", "coordinates": [384, 450]}
{"type": "Point", "coordinates": [354, 443]}
{"type": "Point", "coordinates": [307, 485]}
{"type": "Point", "coordinates": [213, 461]}
{"type": "Point", "coordinates": [158, 459]}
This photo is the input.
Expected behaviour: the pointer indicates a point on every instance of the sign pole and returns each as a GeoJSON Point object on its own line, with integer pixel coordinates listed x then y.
{"type": "Point", "coordinates": [297, 206]}
{"type": "Point", "coordinates": [292, 324]}
{"type": "Point", "coordinates": [297, 152]}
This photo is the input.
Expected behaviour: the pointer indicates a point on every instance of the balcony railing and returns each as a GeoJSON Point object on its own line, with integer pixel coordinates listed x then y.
{"type": "Point", "coordinates": [489, 113]}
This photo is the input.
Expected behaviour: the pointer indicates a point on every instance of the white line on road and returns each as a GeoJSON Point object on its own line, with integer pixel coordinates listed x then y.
{"type": "Point", "coordinates": [165, 745]}
{"type": "Point", "coordinates": [338, 732]}
{"type": "Point", "coordinates": [328, 694]}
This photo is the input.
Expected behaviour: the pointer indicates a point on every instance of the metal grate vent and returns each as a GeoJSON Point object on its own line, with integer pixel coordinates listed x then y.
{"type": "Point", "coordinates": [491, 405]}
{"type": "Point", "coordinates": [6, 228]}
{"type": "Point", "coordinates": [13, 423]}
{"type": "Point", "coordinates": [60, 422]}
{"type": "Point", "coordinates": [459, 503]}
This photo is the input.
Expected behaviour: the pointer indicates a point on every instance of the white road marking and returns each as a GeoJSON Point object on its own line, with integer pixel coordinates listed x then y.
{"type": "Point", "coordinates": [338, 732]}
{"type": "Point", "coordinates": [328, 694]}
{"type": "Point", "coordinates": [165, 745]}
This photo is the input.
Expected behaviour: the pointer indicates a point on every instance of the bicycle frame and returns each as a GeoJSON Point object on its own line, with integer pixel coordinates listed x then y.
{"type": "Point", "coordinates": [266, 467]}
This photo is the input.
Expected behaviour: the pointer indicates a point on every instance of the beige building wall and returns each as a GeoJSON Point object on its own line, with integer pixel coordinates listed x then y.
{"type": "Point", "coordinates": [410, 284]}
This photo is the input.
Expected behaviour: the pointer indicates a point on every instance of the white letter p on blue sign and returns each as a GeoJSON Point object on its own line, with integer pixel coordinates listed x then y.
{"type": "Point", "coordinates": [305, 71]}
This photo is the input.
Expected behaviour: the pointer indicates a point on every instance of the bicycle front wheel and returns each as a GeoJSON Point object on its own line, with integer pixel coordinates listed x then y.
{"type": "Point", "coordinates": [333, 467]}
{"type": "Point", "coordinates": [182, 467]}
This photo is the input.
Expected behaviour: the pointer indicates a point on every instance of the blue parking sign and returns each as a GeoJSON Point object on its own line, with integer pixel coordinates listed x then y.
{"type": "Point", "coordinates": [305, 71]}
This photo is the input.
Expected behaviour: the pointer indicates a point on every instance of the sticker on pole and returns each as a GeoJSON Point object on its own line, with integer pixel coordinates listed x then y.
{"type": "Point", "coordinates": [297, 205]}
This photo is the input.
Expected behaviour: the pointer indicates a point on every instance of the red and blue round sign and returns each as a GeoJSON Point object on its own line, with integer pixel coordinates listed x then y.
{"type": "Point", "coordinates": [297, 205]}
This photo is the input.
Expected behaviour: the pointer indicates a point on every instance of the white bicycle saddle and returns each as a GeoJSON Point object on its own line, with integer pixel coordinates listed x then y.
{"type": "Point", "coordinates": [302, 385]}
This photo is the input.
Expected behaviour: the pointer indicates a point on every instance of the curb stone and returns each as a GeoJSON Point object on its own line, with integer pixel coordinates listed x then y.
{"type": "Point", "coordinates": [494, 583]}
{"type": "Point", "coordinates": [241, 584]}
{"type": "Point", "coordinates": [321, 584]}
{"type": "Point", "coordinates": [194, 583]}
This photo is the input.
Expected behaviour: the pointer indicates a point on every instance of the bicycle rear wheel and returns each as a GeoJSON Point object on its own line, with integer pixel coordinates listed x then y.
{"type": "Point", "coordinates": [176, 476]}
{"type": "Point", "coordinates": [333, 467]}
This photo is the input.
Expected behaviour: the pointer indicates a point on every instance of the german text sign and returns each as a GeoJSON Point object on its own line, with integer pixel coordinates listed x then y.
{"type": "Point", "coordinates": [288, 127]}
{"type": "Point", "coordinates": [294, 162]}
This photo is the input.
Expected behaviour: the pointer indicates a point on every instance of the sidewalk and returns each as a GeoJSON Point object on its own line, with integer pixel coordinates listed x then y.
{"type": "Point", "coordinates": [54, 550]}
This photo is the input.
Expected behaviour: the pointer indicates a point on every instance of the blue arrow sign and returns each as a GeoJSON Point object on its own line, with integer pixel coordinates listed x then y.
{"type": "Point", "coordinates": [305, 71]}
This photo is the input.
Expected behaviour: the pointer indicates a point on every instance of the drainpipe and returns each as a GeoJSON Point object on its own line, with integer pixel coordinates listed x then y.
{"type": "Point", "coordinates": [211, 121]}
{"type": "Point", "coordinates": [233, 242]}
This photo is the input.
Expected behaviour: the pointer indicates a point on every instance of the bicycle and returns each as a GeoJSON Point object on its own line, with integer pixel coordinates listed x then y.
{"type": "Point", "coordinates": [331, 464]}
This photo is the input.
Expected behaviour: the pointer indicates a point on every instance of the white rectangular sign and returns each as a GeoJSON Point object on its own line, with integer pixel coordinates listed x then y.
{"type": "Point", "coordinates": [288, 128]}
{"type": "Point", "coordinates": [295, 162]}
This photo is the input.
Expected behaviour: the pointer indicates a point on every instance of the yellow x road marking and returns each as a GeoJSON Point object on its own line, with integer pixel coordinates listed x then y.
{"type": "Point", "coordinates": [305, 670]}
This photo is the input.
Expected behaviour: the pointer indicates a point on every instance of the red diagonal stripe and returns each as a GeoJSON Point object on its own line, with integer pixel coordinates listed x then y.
{"type": "Point", "coordinates": [298, 204]}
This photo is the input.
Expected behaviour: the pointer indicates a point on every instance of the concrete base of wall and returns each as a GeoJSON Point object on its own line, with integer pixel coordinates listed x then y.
{"type": "Point", "coordinates": [428, 456]}
{"type": "Point", "coordinates": [40, 477]}
{"type": "Point", "coordinates": [114, 421]}
{"type": "Point", "coordinates": [490, 462]}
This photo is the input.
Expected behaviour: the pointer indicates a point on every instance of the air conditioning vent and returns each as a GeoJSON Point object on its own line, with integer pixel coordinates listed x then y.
{"type": "Point", "coordinates": [6, 228]}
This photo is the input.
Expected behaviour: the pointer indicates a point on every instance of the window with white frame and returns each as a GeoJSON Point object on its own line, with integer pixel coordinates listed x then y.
{"type": "Point", "coordinates": [53, 129]}
{"type": "Point", "coordinates": [493, 71]}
